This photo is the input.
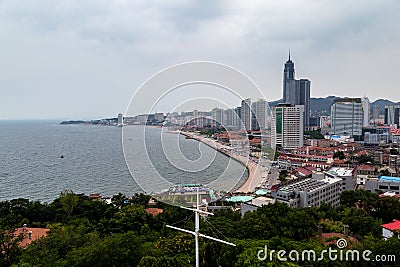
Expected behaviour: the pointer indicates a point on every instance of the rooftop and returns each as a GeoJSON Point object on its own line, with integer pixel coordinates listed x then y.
{"type": "Point", "coordinates": [303, 171]}
{"type": "Point", "coordinates": [261, 201]}
{"type": "Point", "coordinates": [389, 179]}
{"type": "Point", "coordinates": [309, 184]}
{"type": "Point", "coordinates": [154, 211]}
{"type": "Point", "coordinates": [390, 194]}
{"type": "Point", "coordinates": [239, 198]}
{"type": "Point", "coordinates": [395, 225]}
{"type": "Point", "coordinates": [260, 192]}
{"type": "Point", "coordinates": [340, 171]}
{"type": "Point", "coordinates": [365, 167]}
{"type": "Point", "coordinates": [36, 233]}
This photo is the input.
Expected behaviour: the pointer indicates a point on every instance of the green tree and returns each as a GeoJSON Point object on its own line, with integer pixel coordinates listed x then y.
{"type": "Point", "coordinates": [68, 200]}
{"type": "Point", "coordinates": [10, 250]}
{"type": "Point", "coordinates": [119, 200]}
{"type": "Point", "coordinates": [361, 199]}
{"type": "Point", "coordinates": [387, 209]}
{"type": "Point", "coordinates": [339, 154]}
{"type": "Point", "coordinates": [282, 175]}
{"type": "Point", "coordinates": [364, 159]}
{"type": "Point", "coordinates": [131, 218]}
{"type": "Point", "coordinates": [124, 249]}
{"type": "Point", "coordinates": [313, 135]}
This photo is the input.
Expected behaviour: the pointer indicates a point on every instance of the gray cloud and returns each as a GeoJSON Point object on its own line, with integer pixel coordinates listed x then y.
{"type": "Point", "coordinates": [73, 59]}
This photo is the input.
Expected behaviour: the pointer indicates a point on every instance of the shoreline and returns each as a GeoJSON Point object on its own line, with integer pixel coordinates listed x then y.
{"type": "Point", "coordinates": [256, 173]}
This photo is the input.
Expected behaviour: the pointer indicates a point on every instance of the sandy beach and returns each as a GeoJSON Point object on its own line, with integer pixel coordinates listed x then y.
{"type": "Point", "coordinates": [257, 173]}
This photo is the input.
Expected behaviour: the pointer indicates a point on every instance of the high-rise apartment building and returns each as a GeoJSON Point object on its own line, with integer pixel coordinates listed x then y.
{"type": "Point", "coordinates": [347, 116]}
{"type": "Point", "coordinates": [237, 122]}
{"type": "Point", "coordinates": [254, 114]}
{"type": "Point", "coordinates": [218, 116]}
{"type": "Point", "coordinates": [296, 92]}
{"type": "Point", "coordinates": [289, 126]}
{"type": "Point", "coordinates": [246, 113]}
{"type": "Point", "coordinates": [366, 111]}
{"type": "Point", "coordinates": [392, 115]}
{"type": "Point", "coordinates": [229, 115]}
{"type": "Point", "coordinates": [232, 118]}
{"type": "Point", "coordinates": [260, 110]}
{"type": "Point", "coordinates": [303, 87]}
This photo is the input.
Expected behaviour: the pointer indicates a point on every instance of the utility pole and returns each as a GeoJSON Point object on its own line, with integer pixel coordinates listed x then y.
{"type": "Point", "coordinates": [196, 231]}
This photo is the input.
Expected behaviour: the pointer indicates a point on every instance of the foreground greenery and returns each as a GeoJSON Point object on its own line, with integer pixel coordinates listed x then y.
{"type": "Point", "coordinates": [92, 233]}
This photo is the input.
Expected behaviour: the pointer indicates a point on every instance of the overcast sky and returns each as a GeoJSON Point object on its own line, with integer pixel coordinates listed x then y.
{"type": "Point", "coordinates": [70, 59]}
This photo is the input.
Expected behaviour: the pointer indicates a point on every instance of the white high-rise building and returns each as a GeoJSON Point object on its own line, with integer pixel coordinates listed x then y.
{"type": "Point", "coordinates": [289, 126]}
{"type": "Point", "coordinates": [366, 111]}
{"type": "Point", "coordinates": [392, 115]}
{"type": "Point", "coordinates": [230, 117]}
{"type": "Point", "coordinates": [261, 111]}
{"type": "Point", "coordinates": [347, 116]}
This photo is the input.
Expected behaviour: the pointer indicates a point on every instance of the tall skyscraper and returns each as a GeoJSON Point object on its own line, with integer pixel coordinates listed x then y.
{"type": "Point", "coordinates": [303, 87]}
{"type": "Point", "coordinates": [347, 116]}
{"type": "Point", "coordinates": [289, 126]}
{"type": "Point", "coordinates": [288, 75]}
{"type": "Point", "coordinates": [366, 111]}
{"type": "Point", "coordinates": [392, 115]}
{"type": "Point", "coordinates": [296, 92]}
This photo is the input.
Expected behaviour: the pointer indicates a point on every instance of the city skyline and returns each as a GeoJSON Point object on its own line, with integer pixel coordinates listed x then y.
{"type": "Point", "coordinates": [66, 59]}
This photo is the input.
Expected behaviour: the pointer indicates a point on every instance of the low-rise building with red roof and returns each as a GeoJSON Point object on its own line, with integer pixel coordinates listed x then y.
{"type": "Point", "coordinates": [390, 229]}
{"type": "Point", "coordinates": [30, 234]}
{"type": "Point", "coordinates": [154, 211]}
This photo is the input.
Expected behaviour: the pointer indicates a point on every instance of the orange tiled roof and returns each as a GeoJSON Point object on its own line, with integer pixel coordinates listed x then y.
{"type": "Point", "coordinates": [36, 234]}
{"type": "Point", "coordinates": [154, 211]}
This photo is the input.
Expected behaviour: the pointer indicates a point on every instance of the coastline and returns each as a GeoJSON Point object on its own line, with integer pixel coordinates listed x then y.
{"type": "Point", "coordinates": [256, 173]}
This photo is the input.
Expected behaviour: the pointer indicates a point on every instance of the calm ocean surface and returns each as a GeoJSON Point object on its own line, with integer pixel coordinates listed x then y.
{"type": "Point", "coordinates": [31, 165]}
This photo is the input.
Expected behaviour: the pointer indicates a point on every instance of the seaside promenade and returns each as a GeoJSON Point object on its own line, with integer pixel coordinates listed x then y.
{"type": "Point", "coordinates": [257, 173]}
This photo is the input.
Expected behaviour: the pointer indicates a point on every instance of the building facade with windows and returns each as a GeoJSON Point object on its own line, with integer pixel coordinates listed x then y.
{"type": "Point", "coordinates": [347, 116]}
{"type": "Point", "coordinates": [296, 92]}
{"type": "Point", "coordinates": [392, 115]}
{"type": "Point", "coordinates": [311, 192]}
{"type": "Point", "coordinates": [289, 126]}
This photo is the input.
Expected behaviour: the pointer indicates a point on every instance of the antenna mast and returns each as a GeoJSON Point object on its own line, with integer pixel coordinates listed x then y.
{"type": "Point", "coordinates": [196, 232]}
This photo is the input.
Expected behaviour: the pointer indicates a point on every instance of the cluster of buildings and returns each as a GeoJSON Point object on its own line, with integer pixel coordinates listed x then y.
{"type": "Point", "coordinates": [349, 119]}
{"type": "Point", "coordinates": [359, 148]}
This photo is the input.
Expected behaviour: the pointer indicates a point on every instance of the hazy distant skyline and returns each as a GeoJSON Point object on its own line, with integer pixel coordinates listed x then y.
{"type": "Point", "coordinates": [85, 59]}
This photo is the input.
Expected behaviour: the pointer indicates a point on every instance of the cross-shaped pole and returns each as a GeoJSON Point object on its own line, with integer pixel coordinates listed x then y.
{"type": "Point", "coordinates": [196, 232]}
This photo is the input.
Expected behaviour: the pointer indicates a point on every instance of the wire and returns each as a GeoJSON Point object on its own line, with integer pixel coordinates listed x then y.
{"type": "Point", "coordinates": [226, 238]}
{"type": "Point", "coordinates": [185, 220]}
